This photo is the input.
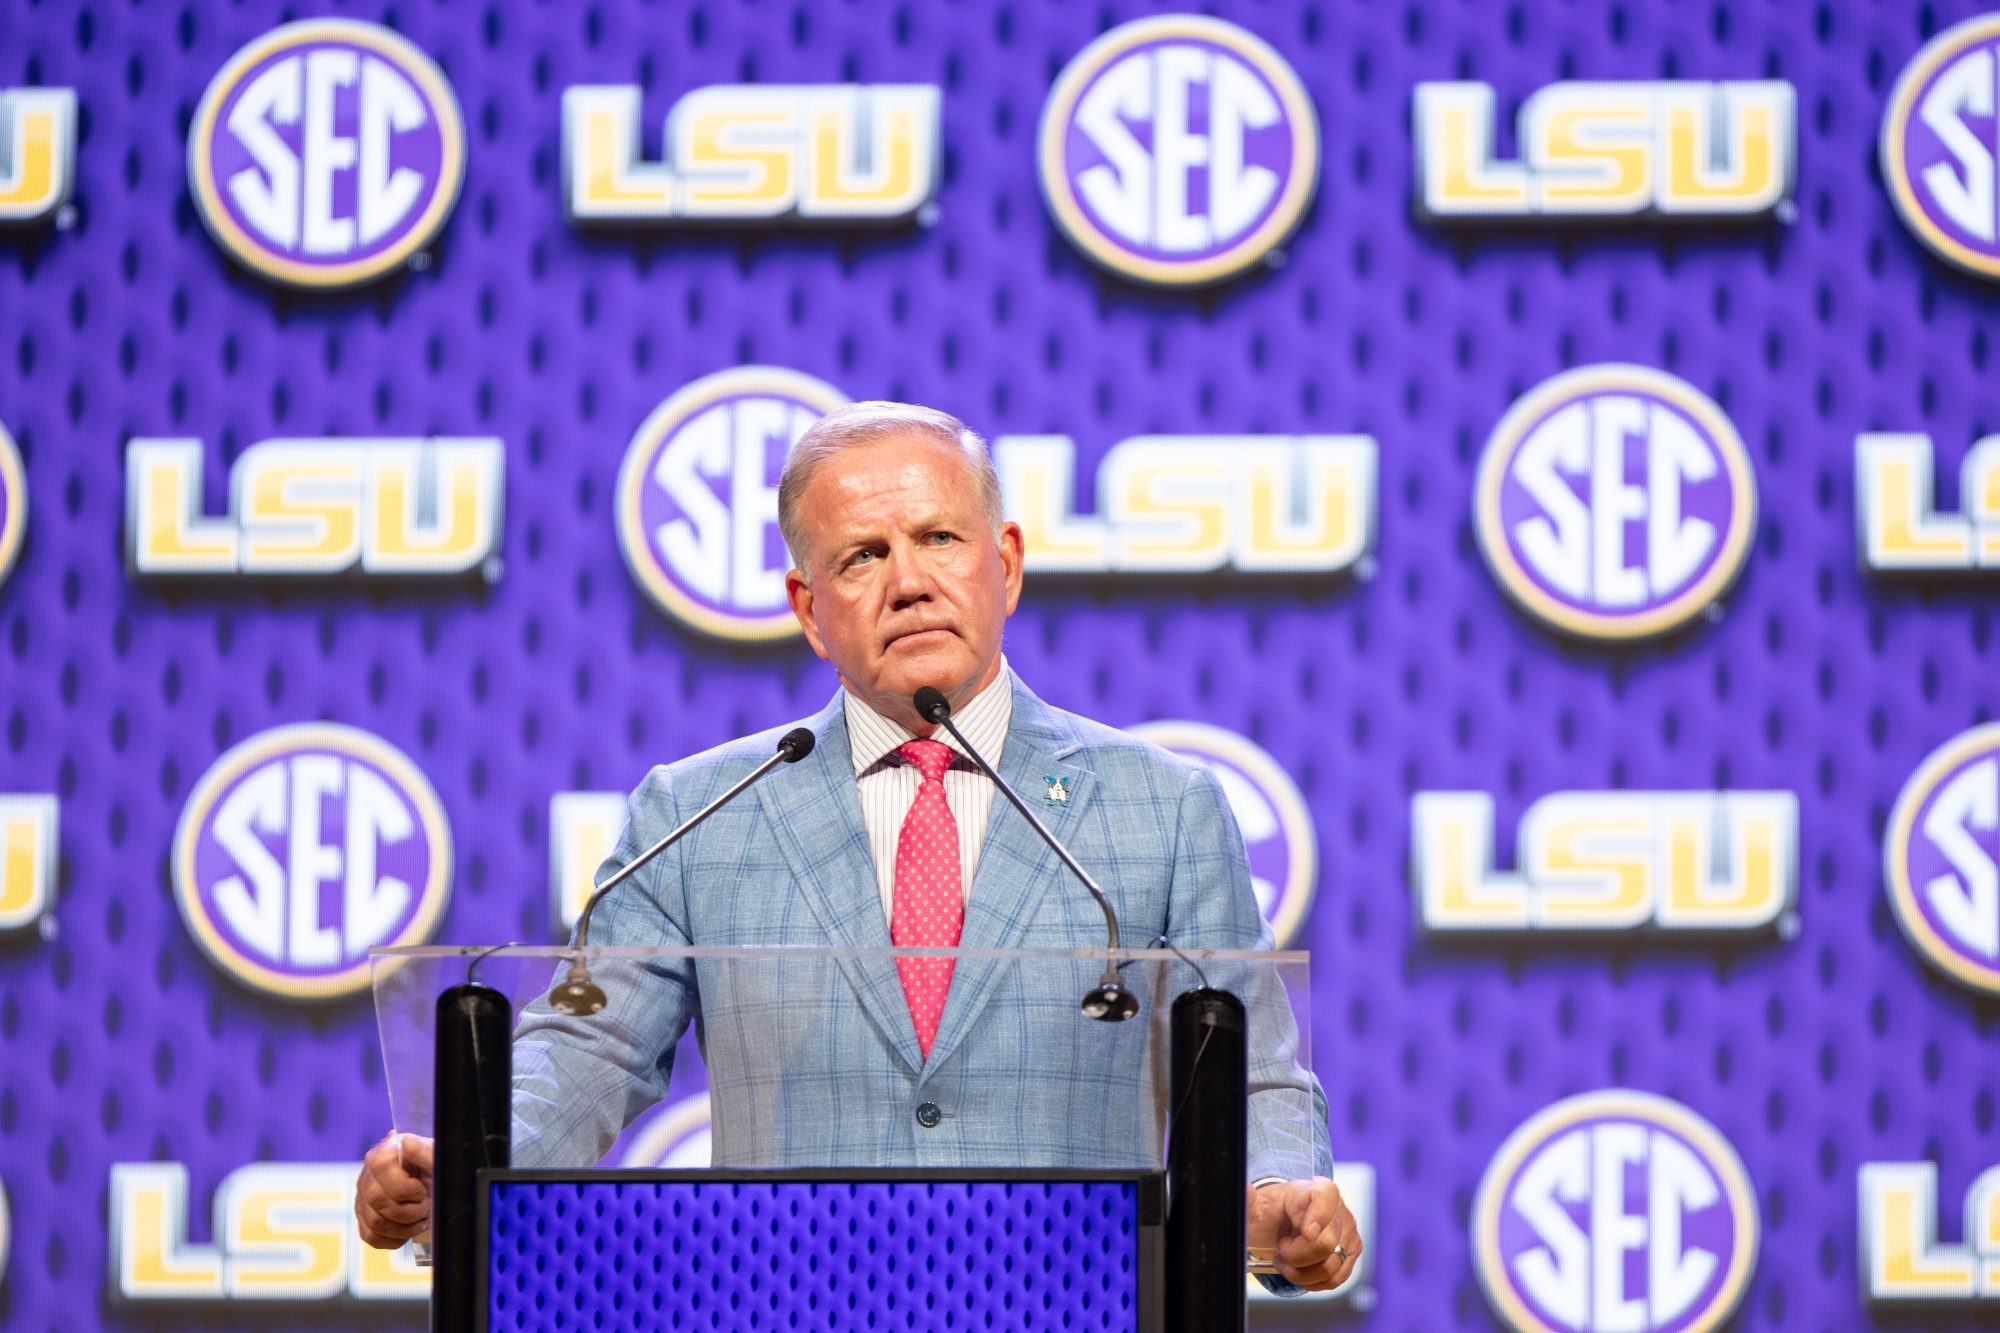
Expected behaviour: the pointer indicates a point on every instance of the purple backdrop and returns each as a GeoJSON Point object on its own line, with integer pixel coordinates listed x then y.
{"type": "Point", "coordinates": [120, 1042]}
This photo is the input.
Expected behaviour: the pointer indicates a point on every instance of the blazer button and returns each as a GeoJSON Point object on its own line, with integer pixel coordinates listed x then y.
{"type": "Point", "coordinates": [928, 1115]}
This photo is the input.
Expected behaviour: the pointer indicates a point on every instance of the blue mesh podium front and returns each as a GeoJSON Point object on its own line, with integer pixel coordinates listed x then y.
{"type": "Point", "coordinates": [1079, 1251]}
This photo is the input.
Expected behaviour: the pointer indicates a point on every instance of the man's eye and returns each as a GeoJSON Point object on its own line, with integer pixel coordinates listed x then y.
{"type": "Point", "coordinates": [941, 538]}
{"type": "Point", "coordinates": [862, 557]}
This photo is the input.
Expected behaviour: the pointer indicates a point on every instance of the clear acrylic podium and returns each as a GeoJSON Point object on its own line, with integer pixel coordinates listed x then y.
{"type": "Point", "coordinates": [753, 1137]}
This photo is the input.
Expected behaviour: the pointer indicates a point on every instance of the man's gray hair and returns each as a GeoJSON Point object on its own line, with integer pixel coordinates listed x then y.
{"type": "Point", "coordinates": [865, 423]}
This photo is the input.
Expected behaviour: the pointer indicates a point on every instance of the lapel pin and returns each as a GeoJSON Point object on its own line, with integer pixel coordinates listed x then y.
{"type": "Point", "coordinates": [1058, 793]}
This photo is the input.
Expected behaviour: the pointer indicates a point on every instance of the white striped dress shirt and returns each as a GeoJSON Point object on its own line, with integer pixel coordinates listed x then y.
{"type": "Point", "coordinates": [888, 785]}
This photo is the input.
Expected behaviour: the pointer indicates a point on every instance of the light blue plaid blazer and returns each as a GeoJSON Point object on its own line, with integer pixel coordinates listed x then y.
{"type": "Point", "coordinates": [818, 1064]}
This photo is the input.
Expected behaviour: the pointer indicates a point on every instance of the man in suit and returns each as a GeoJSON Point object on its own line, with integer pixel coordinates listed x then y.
{"type": "Point", "coordinates": [906, 572]}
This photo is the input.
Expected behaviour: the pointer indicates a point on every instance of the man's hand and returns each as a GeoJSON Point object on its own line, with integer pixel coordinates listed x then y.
{"type": "Point", "coordinates": [1306, 1228]}
{"type": "Point", "coordinates": [392, 1197]}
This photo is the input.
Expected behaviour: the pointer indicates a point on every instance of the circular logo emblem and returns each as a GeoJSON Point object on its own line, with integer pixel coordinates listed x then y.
{"type": "Point", "coordinates": [1178, 150]}
{"type": "Point", "coordinates": [326, 153]}
{"type": "Point", "coordinates": [1615, 1210]}
{"type": "Point", "coordinates": [1941, 858]}
{"type": "Point", "coordinates": [303, 848]}
{"type": "Point", "coordinates": [671, 1134]}
{"type": "Point", "coordinates": [1938, 154]}
{"type": "Point", "coordinates": [1277, 830]}
{"type": "Point", "coordinates": [1615, 502]}
{"type": "Point", "coordinates": [698, 499]}
{"type": "Point", "coordinates": [13, 504]}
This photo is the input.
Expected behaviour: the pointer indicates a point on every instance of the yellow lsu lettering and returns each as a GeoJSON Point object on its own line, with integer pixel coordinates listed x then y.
{"type": "Point", "coordinates": [583, 829]}
{"type": "Point", "coordinates": [1902, 1259]}
{"type": "Point", "coordinates": [1894, 494]}
{"type": "Point", "coordinates": [37, 152]}
{"type": "Point", "coordinates": [306, 507]}
{"type": "Point", "coordinates": [282, 1231]}
{"type": "Point", "coordinates": [1608, 861]}
{"type": "Point", "coordinates": [1187, 504]}
{"type": "Point", "coordinates": [832, 151]}
{"type": "Point", "coordinates": [1681, 149]}
{"type": "Point", "coordinates": [27, 859]}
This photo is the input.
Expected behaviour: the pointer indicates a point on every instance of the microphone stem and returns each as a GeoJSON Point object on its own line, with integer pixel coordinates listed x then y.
{"type": "Point", "coordinates": [627, 871]}
{"type": "Point", "coordinates": [1103, 903]}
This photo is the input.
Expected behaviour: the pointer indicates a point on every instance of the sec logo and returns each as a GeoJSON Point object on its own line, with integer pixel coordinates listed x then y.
{"type": "Point", "coordinates": [698, 499]}
{"type": "Point", "coordinates": [1619, 1211]}
{"type": "Point", "coordinates": [671, 1134]}
{"type": "Point", "coordinates": [303, 848]}
{"type": "Point", "coordinates": [1941, 858]}
{"type": "Point", "coordinates": [1178, 150]}
{"type": "Point", "coordinates": [1938, 155]}
{"type": "Point", "coordinates": [1277, 829]}
{"type": "Point", "coordinates": [13, 504]}
{"type": "Point", "coordinates": [1615, 502]}
{"type": "Point", "coordinates": [326, 153]}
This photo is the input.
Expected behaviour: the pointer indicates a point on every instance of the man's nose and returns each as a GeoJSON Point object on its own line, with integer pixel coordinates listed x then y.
{"type": "Point", "coordinates": [909, 579]}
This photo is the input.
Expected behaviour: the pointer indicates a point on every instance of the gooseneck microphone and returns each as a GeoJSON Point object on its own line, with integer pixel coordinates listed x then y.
{"type": "Point", "coordinates": [578, 994]}
{"type": "Point", "coordinates": [1110, 1001]}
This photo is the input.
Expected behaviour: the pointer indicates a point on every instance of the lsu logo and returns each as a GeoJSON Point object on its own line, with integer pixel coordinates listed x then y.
{"type": "Point", "coordinates": [1615, 502]}
{"type": "Point", "coordinates": [698, 499]}
{"type": "Point", "coordinates": [1900, 531]}
{"type": "Point", "coordinates": [1902, 1261]}
{"type": "Point", "coordinates": [1608, 861]}
{"type": "Point", "coordinates": [1941, 858]}
{"type": "Point", "coordinates": [1938, 152]}
{"type": "Point", "coordinates": [1260, 504]}
{"type": "Point", "coordinates": [1607, 150]}
{"type": "Point", "coordinates": [13, 504]}
{"type": "Point", "coordinates": [28, 859]}
{"type": "Point", "coordinates": [836, 152]}
{"type": "Point", "coordinates": [1178, 150]}
{"type": "Point", "coordinates": [1615, 1211]}
{"type": "Point", "coordinates": [304, 847]}
{"type": "Point", "coordinates": [583, 830]}
{"type": "Point", "coordinates": [326, 153]}
{"type": "Point", "coordinates": [1277, 828]}
{"type": "Point", "coordinates": [283, 1231]}
{"type": "Point", "coordinates": [394, 508]}
{"type": "Point", "coordinates": [37, 153]}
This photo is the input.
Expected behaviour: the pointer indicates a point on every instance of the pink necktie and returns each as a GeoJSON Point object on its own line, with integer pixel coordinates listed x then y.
{"type": "Point", "coordinates": [929, 906]}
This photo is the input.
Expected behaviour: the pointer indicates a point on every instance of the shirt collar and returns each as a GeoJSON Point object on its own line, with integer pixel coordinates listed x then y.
{"type": "Point", "coordinates": [872, 739]}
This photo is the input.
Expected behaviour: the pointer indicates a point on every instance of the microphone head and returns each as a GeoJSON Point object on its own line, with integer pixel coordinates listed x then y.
{"type": "Point", "coordinates": [1110, 1002]}
{"type": "Point", "coordinates": [932, 706]}
{"type": "Point", "coordinates": [578, 996]}
{"type": "Point", "coordinates": [796, 744]}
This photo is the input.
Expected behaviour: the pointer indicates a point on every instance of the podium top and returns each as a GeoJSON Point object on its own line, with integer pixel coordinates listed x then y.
{"type": "Point", "coordinates": [380, 958]}
{"type": "Point", "coordinates": [807, 1056]}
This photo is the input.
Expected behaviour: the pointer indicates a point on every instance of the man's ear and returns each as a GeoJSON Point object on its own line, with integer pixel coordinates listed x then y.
{"type": "Point", "coordinates": [800, 594]}
{"type": "Point", "coordinates": [1012, 548]}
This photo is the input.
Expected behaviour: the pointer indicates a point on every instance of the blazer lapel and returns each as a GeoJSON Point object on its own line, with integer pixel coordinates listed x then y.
{"type": "Point", "coordinates": [1016, 868]}
{"type": "Point", "coordinates": [814, 808]}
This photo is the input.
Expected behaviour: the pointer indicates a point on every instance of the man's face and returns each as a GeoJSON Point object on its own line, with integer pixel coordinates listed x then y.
{"type": "Point", "coordinates": [904, 584]}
